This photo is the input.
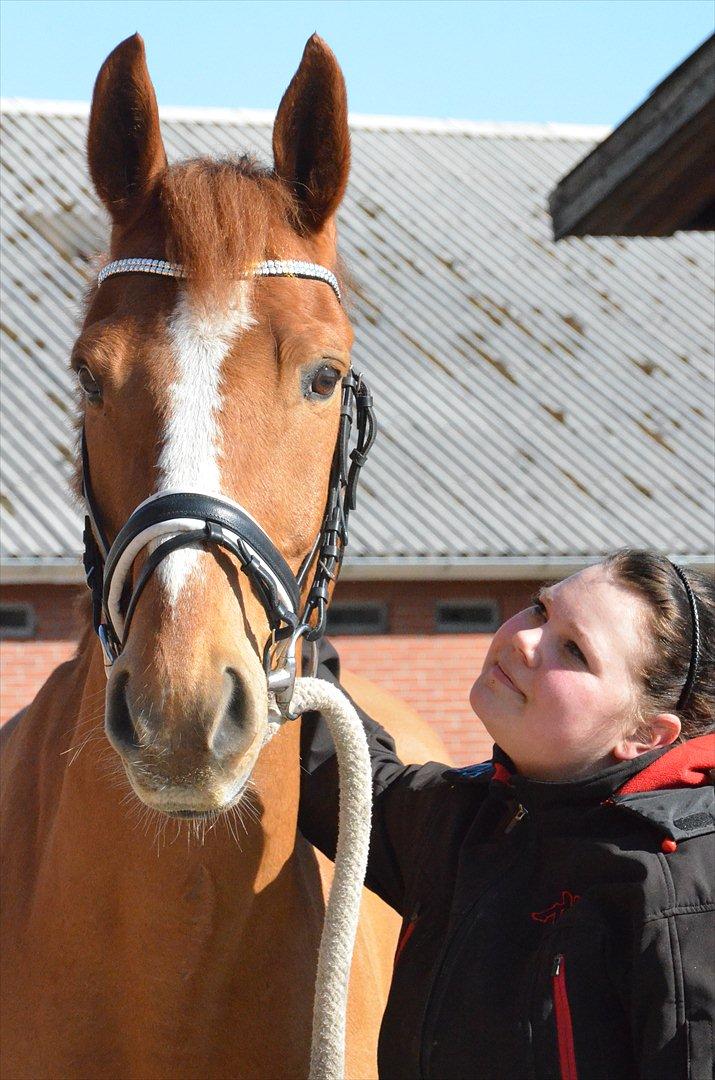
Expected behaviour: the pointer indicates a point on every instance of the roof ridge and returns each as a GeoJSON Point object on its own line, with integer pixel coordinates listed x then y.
{"type": "Point", "coordinates": [360, 121]}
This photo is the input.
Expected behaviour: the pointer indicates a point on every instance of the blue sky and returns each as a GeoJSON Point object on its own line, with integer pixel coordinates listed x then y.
{"type": "Point", "coordinates": [578, 61]}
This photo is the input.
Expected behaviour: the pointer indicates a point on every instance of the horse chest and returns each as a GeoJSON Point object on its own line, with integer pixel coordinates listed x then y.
{"type": "Point", "coordinates": [157, 966]}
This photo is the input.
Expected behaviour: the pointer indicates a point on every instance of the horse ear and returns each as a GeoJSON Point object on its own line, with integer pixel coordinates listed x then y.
{"type": "Point", "coordinates": [311, 140]}
{"type": "Point", "coordinates": [124, 147]}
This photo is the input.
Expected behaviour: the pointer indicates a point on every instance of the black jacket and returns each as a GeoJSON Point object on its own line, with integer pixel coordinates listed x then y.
{"type": "Point", "coordinates": [550, 929]}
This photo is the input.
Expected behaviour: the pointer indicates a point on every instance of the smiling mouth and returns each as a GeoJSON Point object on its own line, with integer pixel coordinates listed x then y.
{"type": "Point", "coordinates": [502, 676]}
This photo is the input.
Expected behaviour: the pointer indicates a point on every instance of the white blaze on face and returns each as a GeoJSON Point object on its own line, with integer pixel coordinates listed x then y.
{"type": "Point", "coordinates": [190, 457]}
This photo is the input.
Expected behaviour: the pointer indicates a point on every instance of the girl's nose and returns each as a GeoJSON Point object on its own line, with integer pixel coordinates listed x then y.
{"type": "Point", "coordinates": [526, 642]}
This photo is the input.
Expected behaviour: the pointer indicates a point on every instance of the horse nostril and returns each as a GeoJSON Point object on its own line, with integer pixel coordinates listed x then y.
{"type": "Point", "coordinates": [232, 734]}
{"type": "Point", "coordinates": [223, 726]}
{"type": "Point", "coordinates": [118, 723]}
{"type": "Point", "coordinates": [239, 699]}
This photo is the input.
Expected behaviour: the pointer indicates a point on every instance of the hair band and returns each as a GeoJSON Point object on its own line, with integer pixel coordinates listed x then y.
{"type": "Point", "coordinates": [694, 641]}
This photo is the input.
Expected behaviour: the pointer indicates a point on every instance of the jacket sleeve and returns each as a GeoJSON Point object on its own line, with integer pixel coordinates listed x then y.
{"type": "Point", "coordinates": [404, 797]}
{"type": "Point", "coordinates": [672, 1000]}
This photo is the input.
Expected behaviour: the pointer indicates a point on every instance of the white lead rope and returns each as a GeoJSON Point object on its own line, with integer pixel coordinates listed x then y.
{"type": "Point", "coordinates": [327, 1052]}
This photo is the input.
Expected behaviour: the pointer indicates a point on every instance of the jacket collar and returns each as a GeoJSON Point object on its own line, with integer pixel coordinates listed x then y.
{"type": "Point", "coordinates": [677, 813]}
{"type": "Point", "coordinates": [541, 793]}
{"type": "Point", "coordinates": [675, 793]}
{"type": "Point", "coordinates": [593, 789]}
{"type": "Point", "coordinates": [626, 783]}
{"type": "Point", "coordinates": [687, 765]}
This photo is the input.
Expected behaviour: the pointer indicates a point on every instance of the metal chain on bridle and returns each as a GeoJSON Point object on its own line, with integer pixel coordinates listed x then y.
{"type": "Point", "coordinates": [170, 520]}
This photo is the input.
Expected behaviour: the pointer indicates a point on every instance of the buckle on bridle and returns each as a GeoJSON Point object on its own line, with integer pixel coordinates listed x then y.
{"type": "Point", "coordinates": [109, 645]}
{"type": "Point", "coordinates": [281, 668]}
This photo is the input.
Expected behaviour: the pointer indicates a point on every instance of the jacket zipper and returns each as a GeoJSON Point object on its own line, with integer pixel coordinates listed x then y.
{"type": "Point", "coordinates": [406, 935]}
{"type": "Point", "coordinates": [564, 1026]}
{"type": "Point", "coordinates": [518, 815]}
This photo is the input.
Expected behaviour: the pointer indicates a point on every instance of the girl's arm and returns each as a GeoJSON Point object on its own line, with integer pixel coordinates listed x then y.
{"type": "Point", "coordinates": [406, 798]}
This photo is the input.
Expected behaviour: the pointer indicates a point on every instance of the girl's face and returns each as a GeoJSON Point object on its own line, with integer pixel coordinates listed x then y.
{"type": "Point", "coordinates": [558, 687]}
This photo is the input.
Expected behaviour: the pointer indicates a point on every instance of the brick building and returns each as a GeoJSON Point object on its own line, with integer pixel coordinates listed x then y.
{"type": "Point", "coordinates": [539, 404]}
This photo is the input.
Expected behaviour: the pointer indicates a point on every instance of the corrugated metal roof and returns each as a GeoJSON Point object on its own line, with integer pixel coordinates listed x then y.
{"type": "Point", "coordinates": [536, 401]}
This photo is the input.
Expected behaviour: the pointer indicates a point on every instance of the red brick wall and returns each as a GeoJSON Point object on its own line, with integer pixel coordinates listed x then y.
{"type": "Point", "coordinates": [433, 674]}
{"type": "Point", "coordinates": [26, 664]}
{"type": "Point", "coordinates": [431, 671]}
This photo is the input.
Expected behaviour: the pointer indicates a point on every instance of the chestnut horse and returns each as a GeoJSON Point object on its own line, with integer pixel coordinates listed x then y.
{"type": "Point", "coordinates": [129, 952]}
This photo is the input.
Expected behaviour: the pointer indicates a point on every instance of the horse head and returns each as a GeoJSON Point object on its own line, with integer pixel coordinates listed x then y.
{"type": "Point", "coordinates": [203, 379]}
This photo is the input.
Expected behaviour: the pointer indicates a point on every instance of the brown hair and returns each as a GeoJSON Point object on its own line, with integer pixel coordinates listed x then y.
{"type": "Point", "coordinates": [666, 663]}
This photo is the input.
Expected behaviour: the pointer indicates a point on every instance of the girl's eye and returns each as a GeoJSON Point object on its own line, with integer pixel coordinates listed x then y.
{"type": "Point", "coordinates": [324, 381]}
{"type": "Point", "coordinates": [538, 607]}
{"type": "Point", "coordinates": [570, 646]}
{"type": "Point", "coordinates": [90, 387]}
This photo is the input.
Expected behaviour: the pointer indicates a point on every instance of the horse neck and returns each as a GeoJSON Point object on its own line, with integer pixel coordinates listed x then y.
{"type": "Point", "coordinates": [92, 815]}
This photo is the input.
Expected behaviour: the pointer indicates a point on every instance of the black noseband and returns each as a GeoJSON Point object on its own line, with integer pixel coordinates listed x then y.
{"type": "Point", "coordinates": [219, 522]}
{"type": "Point", "coordinates": [173, 520]}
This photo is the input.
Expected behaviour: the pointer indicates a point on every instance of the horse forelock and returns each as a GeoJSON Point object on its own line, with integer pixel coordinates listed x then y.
{"type": "Point", "coordinates": [222, 217]}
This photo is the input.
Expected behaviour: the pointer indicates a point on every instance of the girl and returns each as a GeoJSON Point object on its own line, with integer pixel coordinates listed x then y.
{"type": "Point", "coordinates": [557, 900]}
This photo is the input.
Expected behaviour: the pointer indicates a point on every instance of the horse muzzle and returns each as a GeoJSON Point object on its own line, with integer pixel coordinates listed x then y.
{"type": "Point", "coordinates": [187, 754]}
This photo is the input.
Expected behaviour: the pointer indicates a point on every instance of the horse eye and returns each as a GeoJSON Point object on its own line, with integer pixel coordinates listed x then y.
{"type": "Point", "coordinates": [90, 386]}
{"type": "Point", "coordinates": [324, 381]}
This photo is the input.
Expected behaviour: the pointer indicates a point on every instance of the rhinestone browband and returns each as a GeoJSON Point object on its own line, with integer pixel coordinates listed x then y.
{"type": "Point", "coordinates": [271, 268]}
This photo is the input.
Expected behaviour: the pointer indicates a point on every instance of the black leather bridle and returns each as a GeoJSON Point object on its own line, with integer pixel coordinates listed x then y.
{"type": "Point", "coordinates": [170, 520]}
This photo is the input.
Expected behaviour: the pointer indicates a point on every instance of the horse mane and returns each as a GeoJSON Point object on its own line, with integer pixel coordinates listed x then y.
{"type": "Point", "coordinates": [222, 216]}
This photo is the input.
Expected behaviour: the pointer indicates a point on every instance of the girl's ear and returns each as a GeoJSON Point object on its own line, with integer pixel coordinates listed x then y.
{"type": "Point", "coordinates": [661, 730]}
{"type": "Point", "coordinates": [124, 146]}
{"type": "Point", "coordinates": [311, 140]}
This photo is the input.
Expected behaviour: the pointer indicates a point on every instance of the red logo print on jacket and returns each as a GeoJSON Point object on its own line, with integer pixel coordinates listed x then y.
{"type": "Point", "coordinates": [556, 910]}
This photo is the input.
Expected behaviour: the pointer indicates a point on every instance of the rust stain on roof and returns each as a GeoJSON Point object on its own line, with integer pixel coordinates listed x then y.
{"type": "Point", "coordinates": [646, 366]}
{"type": "Point", "coordinates": [639, 487]}
{"type": "Point", "coordinates": [558, 414]}
{"type": "Point", "coordinates": [575, 481]}
{"type": "Point", "coordinates": [498, 365]}
{"type": "Point", "coordinates": [656, 436]}
{"type": "Point", "coordinates": [574, 323]}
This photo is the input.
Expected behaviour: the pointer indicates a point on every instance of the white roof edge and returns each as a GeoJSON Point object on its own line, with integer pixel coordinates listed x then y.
{"type": "Point", "coordinates": [360, 121]}
{"type": "Point", "coordinates": [496, 128]}
{"type": "Point", "coordinates": [508, 568]}
{"type": "Point", "coordinates": [45, 107]}
{"type": "Point", "coordinates": [41, 571]}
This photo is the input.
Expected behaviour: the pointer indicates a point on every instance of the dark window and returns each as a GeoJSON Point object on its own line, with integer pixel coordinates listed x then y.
{"type": "Point", "coordinates": [17, 621]}
{"type": "Point", "coordinates": [367, 618]}
{"type": "Point", "coordinates": [467, 616]}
